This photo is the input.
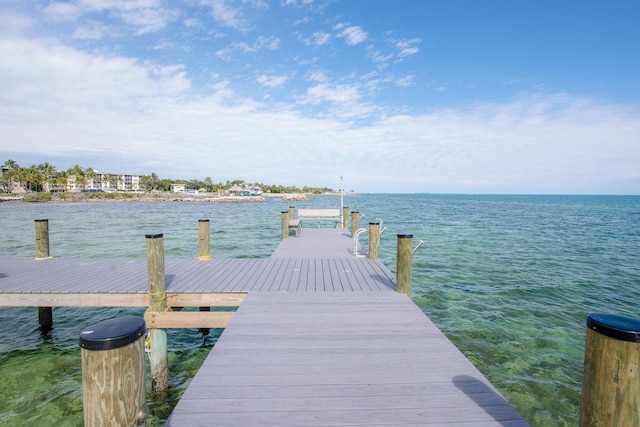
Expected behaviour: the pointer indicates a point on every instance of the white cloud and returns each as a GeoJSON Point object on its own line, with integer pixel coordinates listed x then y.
{"type": "Point", "coordinates": [266, 42]}
{"type": "Point", "coordinates": [93, 31]}
{"type": "Point", "coordinates": [377, 56]}
{"type": "Point", "coordinates": [344, 101]}
{"type": "Point", "coordinates": [262, 42]}
{"type": "Point", "coordinates": [58, 101]}
{"type": "Point", "coordinates": [296, 3]}
{"type": "Point", "coordinates": [405, 81]}
{"type": "Point", "coordinates": [149, 20]}
{"type": "Point", "coordinates": [407, 47]}
{"type": "Point", "coordinates": [144, 15]}
{"type": "Point", "coordinates": [14, 23]}
{"type": "Point", "coordinates": [319, 76]}
{"type": "Point", "coordinates": [352, 35]}
{"type": "Point", "coordinates": [272, 81]}
{"type": "Point", "coordinates": [228, 15]}
{"type": "Point", "coordinates": [318, 38]}
{"type": "Point", "coordinates": [59, 11]}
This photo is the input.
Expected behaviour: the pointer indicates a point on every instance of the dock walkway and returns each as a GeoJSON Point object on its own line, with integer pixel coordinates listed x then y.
{"type": "Point", "coordinates": [321, 338]}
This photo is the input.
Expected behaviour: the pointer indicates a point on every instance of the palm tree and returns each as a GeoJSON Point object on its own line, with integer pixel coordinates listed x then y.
{"type": "Point", "coordinates": [33, 178]}
{"type": "Point", "coordinates": [11, 164]}
{"type": "Point", "coordinates": [90, 175]}
{"type": "Point", "coordinates": [209, 183]}
{"type": "Point", "coordinates": [61, 180]}
{"type": "Point", "coordinates": [48, 170]}
{"type": "Point", "coordinates": [77, 172]}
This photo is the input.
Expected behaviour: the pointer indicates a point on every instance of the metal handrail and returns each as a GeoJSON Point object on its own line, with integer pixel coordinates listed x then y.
{"type": "Point", "coordinates": [356, 236]}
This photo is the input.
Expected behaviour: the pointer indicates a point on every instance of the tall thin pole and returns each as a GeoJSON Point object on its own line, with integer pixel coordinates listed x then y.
{"type": "Point", "coordinates": [341, 201]}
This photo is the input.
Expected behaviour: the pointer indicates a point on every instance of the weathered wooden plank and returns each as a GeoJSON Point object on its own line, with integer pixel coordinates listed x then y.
{"type": "Point", "coordinates": [73, 300]}
{"type": "Point", "coordinates": [188, 319]}
{"type": "Point", "coordinates": [201, 299]}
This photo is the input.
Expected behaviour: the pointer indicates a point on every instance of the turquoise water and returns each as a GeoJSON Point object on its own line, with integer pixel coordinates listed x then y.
{"type": "Point", "coordinates": [510, 280]}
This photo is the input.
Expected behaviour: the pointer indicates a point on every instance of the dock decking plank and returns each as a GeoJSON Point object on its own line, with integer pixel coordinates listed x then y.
{"type": "Point", "coordinates": [310, 347]}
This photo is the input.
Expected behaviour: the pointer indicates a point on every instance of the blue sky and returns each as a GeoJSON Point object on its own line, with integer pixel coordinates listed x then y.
{"type": "Point", "coordinates": [396, 96]}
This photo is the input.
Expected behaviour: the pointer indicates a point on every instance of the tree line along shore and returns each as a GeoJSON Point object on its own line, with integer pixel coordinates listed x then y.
{"type": "Point", "coordinates": [44, 182]}
{"type": "Point", "coordinates": [78, 197]}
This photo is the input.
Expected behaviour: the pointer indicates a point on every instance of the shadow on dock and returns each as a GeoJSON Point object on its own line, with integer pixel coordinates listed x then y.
{"type": "Point", "coordinates": [489, 400]}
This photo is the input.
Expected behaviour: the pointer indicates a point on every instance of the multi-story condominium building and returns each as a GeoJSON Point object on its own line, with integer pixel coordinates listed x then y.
{"type": "Point", "coordinates": [112, 182]}
{"type": "Point", "coordinates": [101, 182]}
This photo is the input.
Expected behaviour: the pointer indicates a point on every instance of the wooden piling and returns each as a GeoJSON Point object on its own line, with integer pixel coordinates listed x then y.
{"type": "Point", "coordinates": [404, 261]}
{"type": "Point", "coordinates": [203, 239]}
{"type": "Point", "coordinates": [113, 383]}
{"type": "Point", "coordinates": [45, 314]}
{"type": "Point", "coordinates": [611, 381]}
{"type": "Point", "coordinates": [157, 303]}
{"type": "Point", "coordinates": [374, 239]}
{"type": "Point", "coordinates": [345, 217]}
{"type": "Point", "coordinates": [42, 239]}
{"type": "Point", "coordinates": [355, 222]}
{"type": "Point", "coordinates": [204, 331]}
{"type": "Point", "coordinates": [292, 212]}
{"type": "Point", "coordinates": [284, 224]}
{"type": "Point", "coordinates": [204, 254]}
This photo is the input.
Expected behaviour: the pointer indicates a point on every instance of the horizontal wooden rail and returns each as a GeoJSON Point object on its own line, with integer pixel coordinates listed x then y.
{"type": "Point", "coordinates": [188, 319]}
{"type": "Point", "coordinates": [73, 300]}
{"type": "Point", "coordinates": [205, 299]}
{"type": "Point", "coordinates": [174, 299]}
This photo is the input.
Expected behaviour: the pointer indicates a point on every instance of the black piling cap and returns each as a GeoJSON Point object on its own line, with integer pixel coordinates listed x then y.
{"type": "Point", "coordinates": [113, 333]}
{"type": "Point", "coordinates": [405, 236]}
{"type": "Point", "coordinates": [153, 236]}
{"type": "Point", "coordinates": [615, 326]}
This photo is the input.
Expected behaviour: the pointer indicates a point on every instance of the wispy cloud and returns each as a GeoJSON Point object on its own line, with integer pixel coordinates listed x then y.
{"type": "Point", "coordinates": [228, 15]}
{"type": "Point", "coordinates": [93, 31]}
{"type": "Point", "coordinates": [262, 42]}
{"type": "Point", "coordinates": [144, 16]}
{"type": "Point", "coordinates": [271, 81]}
{"type": "Point", "coordinates": [351, 34]}
{"type": "Point", "coordinates": [407, 47]}
{"type": "Point", "coordinates": [318, 38]}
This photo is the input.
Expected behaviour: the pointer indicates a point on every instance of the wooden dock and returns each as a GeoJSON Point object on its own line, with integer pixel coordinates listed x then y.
{"type": "Point", "coordinates": [320, 338]}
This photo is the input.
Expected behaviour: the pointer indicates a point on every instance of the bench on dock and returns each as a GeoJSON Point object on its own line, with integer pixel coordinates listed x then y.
{"type": "Point", "coordinates": [319, 215]}
{"type": "Point", "coordinates": [295, 225]}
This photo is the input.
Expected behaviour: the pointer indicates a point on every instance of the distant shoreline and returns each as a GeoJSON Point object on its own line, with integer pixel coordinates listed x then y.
{"type": "Point", "coordinates": [145, 197]}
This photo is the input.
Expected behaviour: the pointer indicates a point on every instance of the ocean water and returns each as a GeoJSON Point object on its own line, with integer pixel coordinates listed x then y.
{"type": "Point", "coordinates": [510, 280]}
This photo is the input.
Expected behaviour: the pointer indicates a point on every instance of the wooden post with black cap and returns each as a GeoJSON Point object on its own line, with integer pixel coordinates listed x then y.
{"type": "Point", "coordinates": [611, 384]}
{"type": "Point", "coordinates": [113, 385]}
